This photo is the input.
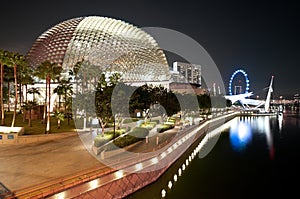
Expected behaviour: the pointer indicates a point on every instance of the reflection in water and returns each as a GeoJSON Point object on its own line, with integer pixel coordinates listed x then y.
{"type": "Point", "coordinates": [269, 136]}
{"type": "Point", "coordinates": [280, 121]}
{"type": "Point", "coordinates": [240, 134]}
{"type": "Point", "coordinates": [255, 167]}
{"type": "Point", "coordinates": [243, 129]}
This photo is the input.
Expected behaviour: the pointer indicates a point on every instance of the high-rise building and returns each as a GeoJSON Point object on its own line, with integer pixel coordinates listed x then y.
{"type": "Point", "coordinates": [186, 73]}
{"type": "Point", "coordinates": [186, 78]}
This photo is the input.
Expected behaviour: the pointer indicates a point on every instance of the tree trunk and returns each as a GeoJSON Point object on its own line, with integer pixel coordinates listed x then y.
{"type": "Point", "coordinates": [75, 111]}
{"type": "Point", "coordinates": [26, 93]}
{"type": "Point", "coordinates": [45, 105]}
{"type": "Point", "coordinates": [8, 101]}
{"type": "Point", "coordinates": [1, 93]}
{"type": "Point", "coordinates": [102, 126]}
{"type": "Point", "coordinates": [48, 105]}
{"type": "Point", "coordinates": [24, 114]}
{"type": "Point", "coordinates": [16, 97]}
{"type": "Point", "coordinates": [59, 102]}
{"type": "Point", "coordinates": [65, 104]}
{"type": "Point", "coordinates": [29, 119]}
{"type": "Point", "coordinates": [20, 96]}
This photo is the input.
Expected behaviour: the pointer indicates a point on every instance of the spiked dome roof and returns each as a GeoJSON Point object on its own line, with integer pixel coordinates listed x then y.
{"type": "Point", "coordinates": [111, 45]}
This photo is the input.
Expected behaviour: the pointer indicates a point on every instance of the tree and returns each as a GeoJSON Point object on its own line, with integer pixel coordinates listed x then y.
{"type": "Point", "coordinates": [28, 106]}
{"type": "Point", "coordinates": [33, 91]}
{"type": "Point", "coordinates": [16, 60]}
{"type": "Point", "coordinates": [60, 116]}
{"type": "Point", "coordinates": [64, 88]}
{"type": "Point", "coordinates": [3, 60]}
{"type": "Point", "coordinates": [141, 98]}
{"type": "Point", "coordinates": [59, 91]}
{"type": "Point", "coordinates": [8, 78]}
{"type": "Point", "coordinates": [25, 78]}
{"type": "Point", "coordinates": [48, 71]}
{"type": "Point", "coordinates": [103, 95]}
{"type": "Point", "coordinates": [75, 74]}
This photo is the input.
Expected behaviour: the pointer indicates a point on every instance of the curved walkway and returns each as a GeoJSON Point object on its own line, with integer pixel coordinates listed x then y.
{"type": "Point", "coordinates": [30, 168]}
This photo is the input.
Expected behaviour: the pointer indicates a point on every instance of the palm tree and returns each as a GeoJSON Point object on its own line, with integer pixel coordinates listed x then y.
{"type": "Point", "coordinates": [25, 78]}
{"type": "Point", "coordinates": [3, 61]}
{"type": "Point", "coordinates": [33, 91]}
{"type": "Point", "coordinates": [8, 78]}
{"type": "Point", "coordinates": [75, 73]}
{"type": "Point", "coordinates": [60, 116]}
{"type": "Point", "coordinates": [48, 71]}
{"type": "Point", "coordinates": [16, 60]}
{"type": "Point", "coordinates": [59, 90]}
{"type": "Point", "coordinates": [28, 106]}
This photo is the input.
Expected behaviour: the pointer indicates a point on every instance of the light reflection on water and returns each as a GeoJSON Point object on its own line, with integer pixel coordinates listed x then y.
{"type": "Point", "coordinates": [244, 157]}
{"type": "Point", "coordinates": [240, 134]}
{"type": "Point", "coordinates": [243, 129]}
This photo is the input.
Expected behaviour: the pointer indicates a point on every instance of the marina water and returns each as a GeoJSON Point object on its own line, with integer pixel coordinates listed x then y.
{"type": "Point", "coordinates": [255, 157]}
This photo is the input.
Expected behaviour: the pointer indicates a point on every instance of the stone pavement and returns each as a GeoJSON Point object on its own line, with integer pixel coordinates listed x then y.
{"type": "Point", "coordinates": [25, 165]}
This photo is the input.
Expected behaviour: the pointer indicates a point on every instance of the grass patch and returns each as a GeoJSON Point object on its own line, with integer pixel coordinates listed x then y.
{"type": "Point", "coordinates": [37, 127]}
{"type": "Point", "coordinates": [129, 120]}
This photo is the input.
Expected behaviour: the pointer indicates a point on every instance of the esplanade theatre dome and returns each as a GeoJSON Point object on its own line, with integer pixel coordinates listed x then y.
{"type": "Point", "coordinates": [109, 44]}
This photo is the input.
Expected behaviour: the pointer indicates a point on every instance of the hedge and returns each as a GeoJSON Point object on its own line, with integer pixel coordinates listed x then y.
{"type": "Point", "coordinates": [100, 140]}
{"type": "Point", "coordinates": [164, 127]}
{"type": "Point", "coordinates": [137, 134]}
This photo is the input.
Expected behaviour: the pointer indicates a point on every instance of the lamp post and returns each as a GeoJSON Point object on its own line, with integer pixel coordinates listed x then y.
{"type": "Point", "coordinates": [114, 127]}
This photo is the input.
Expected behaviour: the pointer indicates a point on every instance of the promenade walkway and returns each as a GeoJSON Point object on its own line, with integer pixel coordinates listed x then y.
{"type": "Point", "coordinates": [39, 168]}
{"type": "Point", "coordinates": [40, 164]}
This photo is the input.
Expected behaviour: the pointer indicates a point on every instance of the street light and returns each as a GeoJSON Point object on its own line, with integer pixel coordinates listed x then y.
{"type": "Point", "coordinates": [114, 126]}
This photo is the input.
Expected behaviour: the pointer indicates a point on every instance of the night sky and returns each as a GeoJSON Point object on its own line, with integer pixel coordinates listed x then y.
{"type": "Point", "coordinates": [261, 38]}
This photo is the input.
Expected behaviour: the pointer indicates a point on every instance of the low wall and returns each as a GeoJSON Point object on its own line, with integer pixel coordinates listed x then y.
{"type": "Point", "coordinates": [37, 138]}
{"type": "Point", "coordinates": [9, 135]}
{"type": "Point", "coordinates": [14, 138]}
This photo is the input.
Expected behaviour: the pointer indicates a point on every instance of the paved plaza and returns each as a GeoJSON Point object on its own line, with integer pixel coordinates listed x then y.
{"type": "Point", "coordinates": [25, 165]}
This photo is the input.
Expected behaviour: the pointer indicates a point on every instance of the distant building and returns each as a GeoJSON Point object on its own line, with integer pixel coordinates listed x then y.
{"type": "Point", "coordinates": [186, 78]}
{"type": "Point", "coordinates": [187, 88]}
{"type": "Point", "coordinates": [186, 73]}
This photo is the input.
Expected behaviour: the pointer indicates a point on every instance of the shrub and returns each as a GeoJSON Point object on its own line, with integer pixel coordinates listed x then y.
{"type": "Point", "coordinates": [118, 132]}
{"type": "Point", "coordinates": [148, 125]}
{"type": "Point", "coordinates": [100, 140]}
{"type": "Point", "coordinates": [137, 134]}
{"type": "Point", "coordinates": [164, 127]}
{"type": "Point", "coordinates": [129, 120]}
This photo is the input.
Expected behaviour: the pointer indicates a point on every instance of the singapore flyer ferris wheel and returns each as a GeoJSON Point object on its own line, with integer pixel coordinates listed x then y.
{"type": "Point", "coordinates": [239, 83]}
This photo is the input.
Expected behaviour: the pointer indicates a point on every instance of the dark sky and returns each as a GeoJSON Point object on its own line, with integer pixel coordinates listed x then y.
{"type": "Point", "coordinates": [260, 37]}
